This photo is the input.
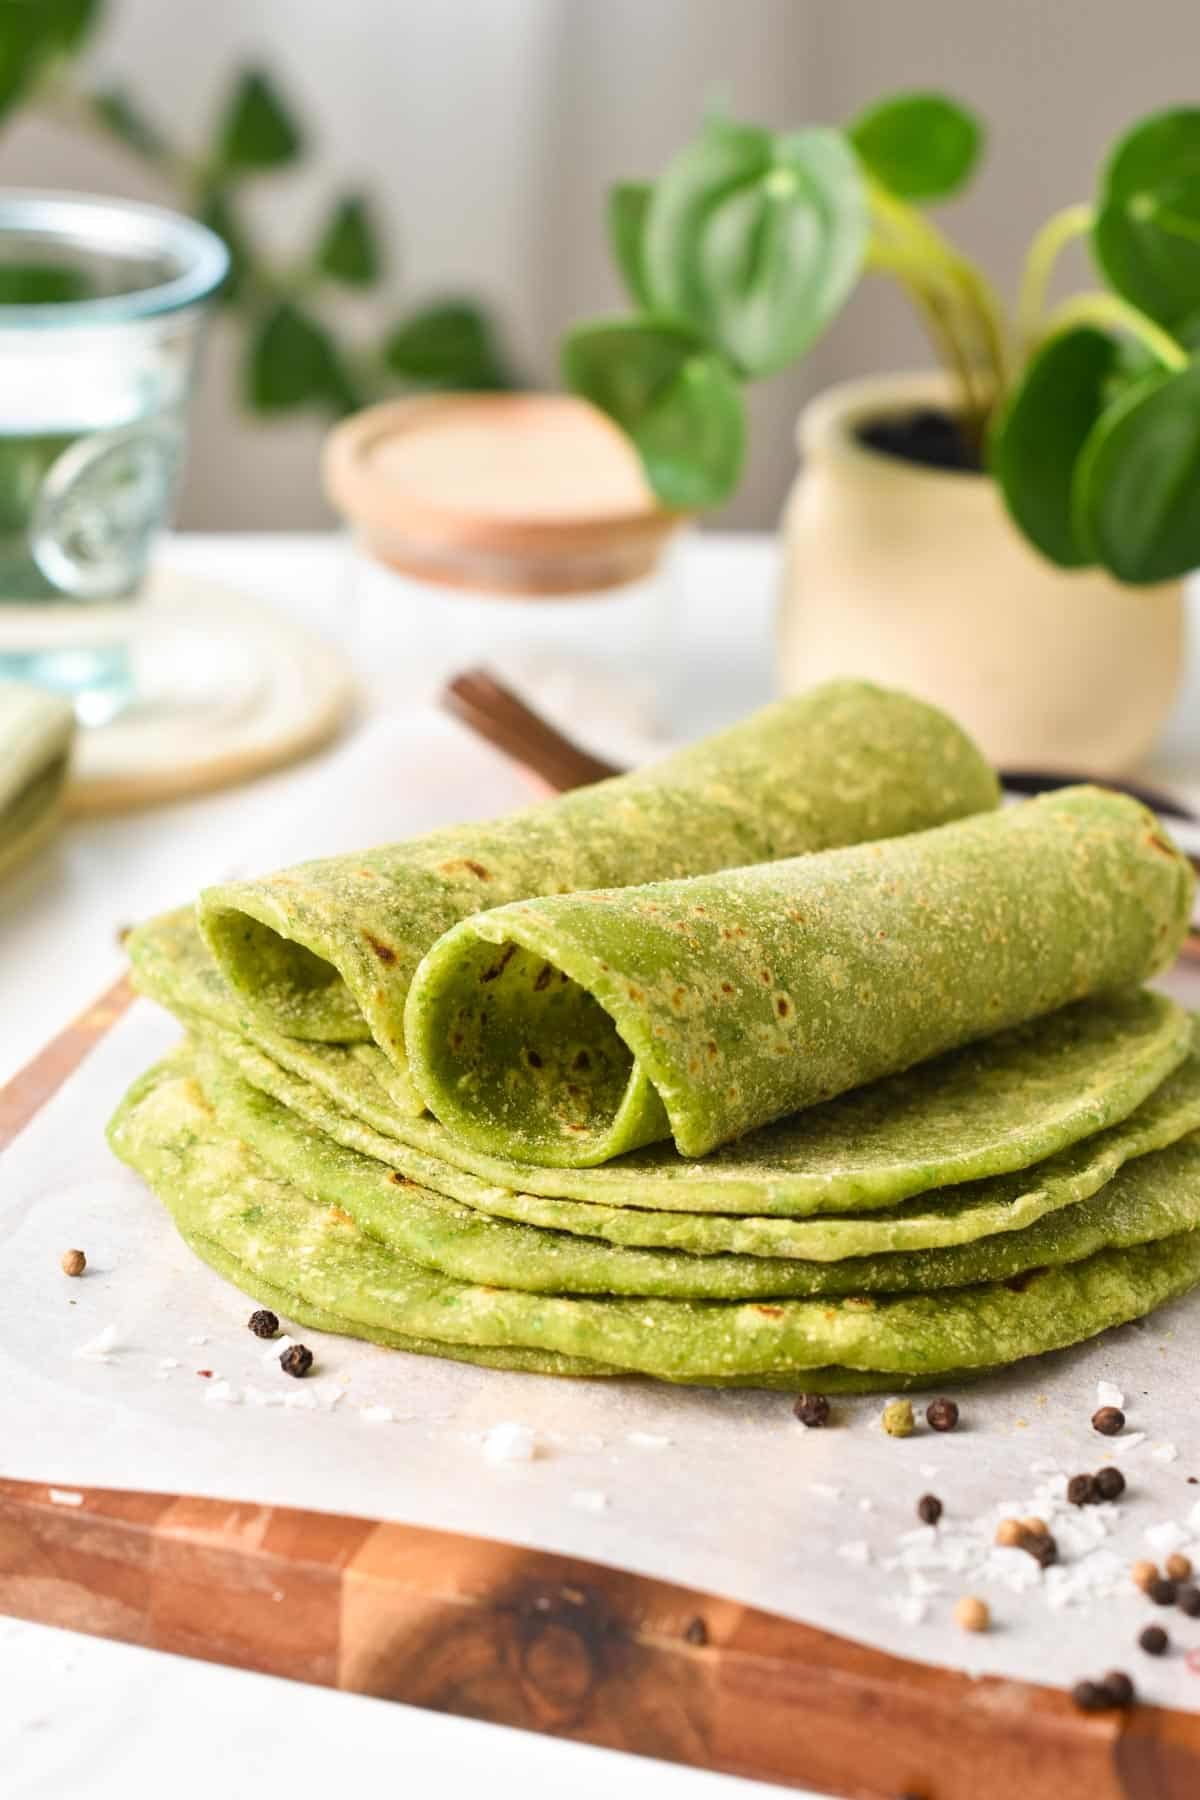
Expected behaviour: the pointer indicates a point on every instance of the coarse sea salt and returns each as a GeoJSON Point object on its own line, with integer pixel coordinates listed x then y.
{"type": "Point", "coordinates": [101, 1347]}
{"type": "Point", "coordinates": [510, 1442]}
{"type": "Point", "coordinates": [1109, 1395]}
{"type": "Point", "coordinates": [1166, 1537]}
{"type": "Point", "coordinates": [1164, 1453]}
{"type": "Point", "coordinates": [590, 1500]}
{"type": "Point", "coordinates": [275, 1349]}
{"type": "Point", "coordinates": [377, 1415]}
{"type": "Point", "coordinates": [648, 1440]}
{"type": "Point", "coordinates": [221, 1393]}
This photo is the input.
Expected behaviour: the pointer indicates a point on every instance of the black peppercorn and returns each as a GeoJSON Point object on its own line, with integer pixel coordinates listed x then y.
{"type": "Point", "coordinates": [1154, 1640]}
{"type": "Point", "coordinates": [1081, 1490]}
{"type": "Point", "coordinates": [1187, 1599]}
{"type": "Point", "coordinates": [942, 1415]}
{"type": "Point", "coordinates": [1110, 1483]}
{"type": "Point", "coordinates": [1108, 1421]}
{"type": "Point", "coordinates": [1090, 1696]}
{"type": "Point", "coordinates": [1041, 1546]}
{"type": "Point", "coordinates": [697, 1632]}
{"type": "Point", "coordinates": [263, 1323]}
{"type": "Point", "coordinates": [1162, 1591]}
{"type": "Point", "coordinates": [812, 1410]}
{"type": "Point", "coordinates": [1118, 1687]}
{"type": "Point", "coordinates": [929, 1509]}
{"type": "Point", "coordinates": [296, 1360]}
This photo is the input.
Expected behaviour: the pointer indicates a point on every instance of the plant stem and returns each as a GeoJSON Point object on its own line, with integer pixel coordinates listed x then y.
{"type": "Point", "coordinates": [1058, 231]}
{"type": "Point", "coordinates": [938, 318]}
{"type": "Point", "coordinates": [1107, 309]}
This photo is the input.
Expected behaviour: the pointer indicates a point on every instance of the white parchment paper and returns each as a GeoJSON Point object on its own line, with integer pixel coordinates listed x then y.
{"type": "Point", "coordinates": [143, 1374]}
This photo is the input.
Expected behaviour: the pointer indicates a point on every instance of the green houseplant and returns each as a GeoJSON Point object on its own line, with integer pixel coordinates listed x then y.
{"type": "Point", "coordinates": [296, 352]}
{"type": "Point", "coordinates": [1077, 423]}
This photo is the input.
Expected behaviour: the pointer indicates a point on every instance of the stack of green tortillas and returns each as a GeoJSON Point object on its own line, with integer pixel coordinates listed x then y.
{"type": "Point", "coordinates": [36, 731]}
{"type": "Point", "coordinates": [790, 1061]}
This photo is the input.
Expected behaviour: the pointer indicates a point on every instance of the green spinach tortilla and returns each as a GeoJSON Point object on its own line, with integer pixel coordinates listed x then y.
{"type": "Point", "coordinates": [236, 1211]}
{"type": "Point", "coordinates": [36, 732]}
{"type": "Point", "coordinates": [326, 951]}
{"type": "Point", "coordinates": [565, 1030]}
{"type": "Point", "coordinates": [1003, 1104]}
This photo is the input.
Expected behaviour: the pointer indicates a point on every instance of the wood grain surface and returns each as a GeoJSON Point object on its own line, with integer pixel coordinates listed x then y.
{"type": "Point", "coordinates": [546, 1643]}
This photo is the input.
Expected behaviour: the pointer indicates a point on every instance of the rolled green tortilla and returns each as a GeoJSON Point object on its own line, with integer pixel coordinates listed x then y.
{"type": "Point", "coordinates": [326, 951]}
{"type": "Point", "coordinates": [36, 731]}
{"type": "Point", "coordinates": [1004, 1104]}
{"type": "Point", "coordinates": [564, 1031]}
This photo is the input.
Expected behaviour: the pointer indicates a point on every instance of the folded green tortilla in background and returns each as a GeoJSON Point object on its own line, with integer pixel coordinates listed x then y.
{"type": "Point", "coordinates": [569, 1029]}
{"type": "Point", "coordinates": [36, 731]}
{"type": "Point", "coordinates": [327, 951]}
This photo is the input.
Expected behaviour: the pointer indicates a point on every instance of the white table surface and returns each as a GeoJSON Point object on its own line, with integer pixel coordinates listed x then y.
{"type": "Point", "coordinates": [85, 1718]}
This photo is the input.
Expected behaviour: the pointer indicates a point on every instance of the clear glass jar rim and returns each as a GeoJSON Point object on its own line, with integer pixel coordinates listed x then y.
{"type": "Point", "coordinates": [94, 222]}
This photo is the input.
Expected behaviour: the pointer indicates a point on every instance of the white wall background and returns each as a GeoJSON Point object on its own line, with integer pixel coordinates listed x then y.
{"type": "Point", "coordinates": [489, 130]}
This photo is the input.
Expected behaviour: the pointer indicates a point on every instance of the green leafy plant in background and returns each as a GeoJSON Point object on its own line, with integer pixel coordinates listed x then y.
{"type": "Point", "coordinates": [748, 244]}
{"type": "Point", "coordinates": [296, 356]}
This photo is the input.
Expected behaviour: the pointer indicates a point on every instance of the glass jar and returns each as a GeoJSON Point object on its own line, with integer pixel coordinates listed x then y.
{"type": "Point", "coordinates": [100, 310]}
{"type": "Point", "coordinates": [516, 532]}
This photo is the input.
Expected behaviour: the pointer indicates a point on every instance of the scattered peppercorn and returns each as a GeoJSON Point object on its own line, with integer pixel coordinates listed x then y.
{"type": "Point", "coordinates": [942, 1415]}
{"type": "Point", "coordinates": [1108, 1421]}
{"type": "Point", "coordinates": [1143, 1574]}
{"type": "Point", "coordinates": [697, 1632]}
{"type": "Point", "coordinates": [73, 1262]}
{"type": "Point", "coordinates": [1042, 1546]}
{"type": "Point", "coordinates": [897, 1418]}
{"type": "Point", "coordinates": [972, 1614]}
{"type": "Point", "coordinates": [296, 1360]}
{"type": "Point", "coordinates": [812, 1410]}
{"type": "Point", "coordinates": [1090, 1696]}
{"type": "Point", "coordinates": [1154, 1641]}
{"type": "Point", "coordinates": [1082, 1490]}
{"type": "Point", "coordinates": [1009, 1533]}
{"type": "Point", "coordinates": [1178, 1567]}
{"type": "Point", "coordinates": [929, 1509]}
{"type": "Point", "coordinates": [1110, 1483]}
{"type": "Point", "coordinates": [1163, 1591]}
{"type": "Point", "coordinates": [1188, 1600]}
{"type": "Point", "coordinates": [1037, 1526]}
{"type": "Point", "coordinates": [1119, 1688]}
{"type": "Point", "coordinates": [263, 1323]}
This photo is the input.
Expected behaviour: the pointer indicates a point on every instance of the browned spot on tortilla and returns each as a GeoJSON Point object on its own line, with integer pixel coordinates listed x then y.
{"type": "Point", "coordinates": [797, 918]}
{"type": "Point", "coordinates": [401, 1180]}
{"type": "Point", "coordinates": [582, 1061]}
{"type": "Point", "coordinates": [693, 1065]}
{"type": "Point", "coordinates": [465, 862]}
{"type": "Point", "coordinates": [1157, 843]}
{"type": "Point", "coordinates": [338, 1217]}
{"type": "Point", "coordinates": [574, 1092]}
{"type": "Point", "coordinates": [635, 994]}
{"type": "Point", "coordinates": [783, 1005]}
{"type": "Point", "coordinates": [498, 967]}
{"type": "Point", "coordinates": [533, 1059]}
{"type": "Point", "coordinates": [571, 1127]}
{"type": "Point", "coordinates": [782, 1050]}
{"type": "Point", "coordinates": [764, 975]}
{"type": "Point", "coordinates": [711, 1047]}
{"type": "Point", "coordinates": [678, 997]}
{"type": "Point", "coordinates": [383, 951]}
{"type": "Point", "coordinates": [770, 1312]}
{"type": "Point", "coordinates": [544, 977]}
{"type": "Point", "coordinates": [1016, 1284]}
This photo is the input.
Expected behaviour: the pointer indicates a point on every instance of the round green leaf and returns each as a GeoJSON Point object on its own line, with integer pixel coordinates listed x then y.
{"type": "Point", "coordinates": [1137, 483]}
{"type": "Point", "coordinates": [451, 344]}
{"type": "Point", "coordinates": [920, 146]}
{"type": "Point", "coordinates": [1146, 237]}
{"type": "Point", "coordinates": [756, 240]}
{"type": "Point", "coordinates": [349, 248]}
{"type": "Point", "coordinates": [1039, 437]}
{"type": "Point", "coordinates": [677, 400]}
{"type": "Point", "coordinates": [292, 362]}
{"type": "Point", "coordinates": [257, 130]}
{"type": "Point", "coordinates": [628, 205]}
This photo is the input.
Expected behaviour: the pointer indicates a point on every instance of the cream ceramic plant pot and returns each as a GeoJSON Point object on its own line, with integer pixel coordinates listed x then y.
{"type": "Point", "coordinates": [917, 578]}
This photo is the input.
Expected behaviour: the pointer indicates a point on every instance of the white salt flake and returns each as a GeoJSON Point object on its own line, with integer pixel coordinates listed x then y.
{"type": "Point", "coordinates": [590, 1500]}
{"type": "Point", "coordinates": [221, 1393]}
{"type": "Point", "coordinates": [101, 1347]}
{"type": "Point", "coordinates": [1108, 1395]}
{"type": "Point", "coordinates": [200, 1338]}
{"type": "Point", "coordinates": [301, 1401]}
{"type": "Point", "coordinates": [855, 1552]}
{"type": "Point", "coordinates": [648, 1440]}
{"type": "Point", "coordinates": [866, 1504]}
{"type": "Point", "coordinates": [510, 1442]}
{"type": "Point", "coordinates": [1167, 1537]}
{"type": "Point", "coordinates": [910, 1608]}
{"type": "Point", "coordinates": [824, 1490]}
{"type": "Point", "coordinates": [1164, 1453]}
{"type": "Point", "coordinates": [275, 1349]}
{"type": "Point", "coordinates": [255, 1396]}
{"type": "Point", "coordinates": [377, 1415]}
{"type": "Point", "coordinates": [168, 1362]}
{"type": "Point", "coordinates": [929, 1470]}
{"type": "Point", "coordinates": [1194, 1517]}
{"type": "Point", "coordinates": [1127, 1442]}
{"type": "Point", "coordinates": [65, 1497]}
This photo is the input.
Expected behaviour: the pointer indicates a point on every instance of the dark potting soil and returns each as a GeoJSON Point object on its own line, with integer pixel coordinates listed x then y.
{"type": "Point", "coordinates": [924, 436]}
